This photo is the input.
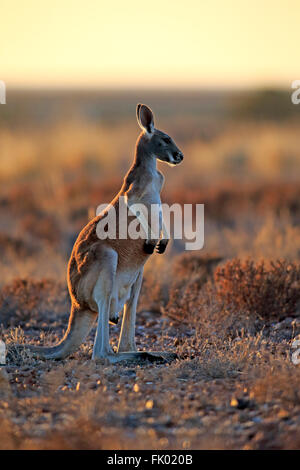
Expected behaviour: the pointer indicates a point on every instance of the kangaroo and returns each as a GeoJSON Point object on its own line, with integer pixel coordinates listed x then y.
{"type": "Point", "coordinates": [105, 275]}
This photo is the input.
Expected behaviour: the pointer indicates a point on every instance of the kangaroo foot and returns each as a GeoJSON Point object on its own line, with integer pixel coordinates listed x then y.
{"type": "Point", "coordinates": [142, 356]}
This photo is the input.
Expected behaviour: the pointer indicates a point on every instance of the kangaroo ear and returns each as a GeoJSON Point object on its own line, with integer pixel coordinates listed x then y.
{"type": "Point", "coordinates": [145, 118]}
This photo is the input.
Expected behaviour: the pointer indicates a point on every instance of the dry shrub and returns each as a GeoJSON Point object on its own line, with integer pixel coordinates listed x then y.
{"type": "Point", "coordinates": [8, 438]}
{"type": "Point", "coordinates": [291, 441]}
{"type": "Point", "coordinates": [188, 264]}
{"type": "Point", "coordinates": [268, 292]}
{"type": "Point", "coordinates": [156, 282]}
{"type": "Point", "coordinates": [280, 384]}
{"type": "Point", "coordinates": [238, 298]}
{"type": "Point", "coordinates": [20, 199]}
{"type": "Point", "coordinates": [13, 246]}
{"type": "Point", "coordinates": [42, 226]}
{"type": "Point", "coordinates": [190, 273]}
{"type": "Point", "coordinates": [81, 435]}
{"type": "Point", "coordinates": [184, 299]}
{"type": "Point", "coordinates": [27, 300]}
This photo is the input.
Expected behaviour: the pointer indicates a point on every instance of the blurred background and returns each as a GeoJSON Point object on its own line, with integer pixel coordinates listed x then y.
{"type": "Point", "coordinates": [217, 75]}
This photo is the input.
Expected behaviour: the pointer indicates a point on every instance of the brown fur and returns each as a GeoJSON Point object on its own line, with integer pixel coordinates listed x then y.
{"type": "Point", "coordinates": [94, 263]}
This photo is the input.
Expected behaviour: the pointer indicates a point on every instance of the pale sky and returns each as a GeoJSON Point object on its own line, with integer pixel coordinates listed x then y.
{"type": "Point", "coordinates": [179, 43]}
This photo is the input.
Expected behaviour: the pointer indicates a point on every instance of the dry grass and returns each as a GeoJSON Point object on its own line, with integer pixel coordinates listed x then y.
{"type": "Point", "coordinates": [269, 292]}
{"type": "Point", "coordinates": [230, 312]}
{"type": "Point", "coordinates": [226, 390]}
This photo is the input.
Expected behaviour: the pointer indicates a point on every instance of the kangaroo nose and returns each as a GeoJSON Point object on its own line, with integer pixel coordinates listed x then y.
{"type": "Point", "coordinates": [178, 156]}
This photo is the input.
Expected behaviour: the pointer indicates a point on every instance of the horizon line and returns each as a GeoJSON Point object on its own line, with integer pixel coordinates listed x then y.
{"type": "Point", "coordinates": [162, 88]}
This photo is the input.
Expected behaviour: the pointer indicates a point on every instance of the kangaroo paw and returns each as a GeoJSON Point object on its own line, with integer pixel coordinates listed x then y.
{"type": "Point", "coordinates": [149, 246]}
{"type": "Point", "coordinates": [161, 247]}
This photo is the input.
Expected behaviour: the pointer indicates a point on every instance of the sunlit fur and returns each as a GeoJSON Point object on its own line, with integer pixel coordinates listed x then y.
{"type": "Point", "coordinates": [105, 276]}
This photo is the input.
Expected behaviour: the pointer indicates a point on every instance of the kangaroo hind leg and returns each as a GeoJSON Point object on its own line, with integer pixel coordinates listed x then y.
{"type": "Point", "coordinates": [127, 335]}
{"type": "Point", "coordinates": [103, 294]}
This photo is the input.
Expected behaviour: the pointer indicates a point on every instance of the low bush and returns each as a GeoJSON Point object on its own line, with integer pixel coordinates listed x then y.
{"type": "Point", "coordinates": [267, 291]}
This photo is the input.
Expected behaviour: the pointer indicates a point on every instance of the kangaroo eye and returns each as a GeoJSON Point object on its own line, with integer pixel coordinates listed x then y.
{"type": "Point", "coordinates": [167, 140]}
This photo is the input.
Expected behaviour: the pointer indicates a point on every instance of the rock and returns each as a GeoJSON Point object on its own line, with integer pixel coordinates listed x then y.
{"type": "Point", "coordinates": [257, 419]}
{"type": "Point", "coordinates": [283, 414]}
{"type": "Point", "coordinates": [240, 403]}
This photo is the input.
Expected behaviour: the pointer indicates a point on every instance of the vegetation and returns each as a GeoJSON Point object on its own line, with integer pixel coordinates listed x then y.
{"type": "Point", "coordinates": [231, 311]}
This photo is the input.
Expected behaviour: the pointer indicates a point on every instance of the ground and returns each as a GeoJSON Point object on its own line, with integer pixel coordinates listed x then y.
{"type": "Point", "coordinates": [224, 392]}
{"type": "Point", "coordinates": [231, 311]}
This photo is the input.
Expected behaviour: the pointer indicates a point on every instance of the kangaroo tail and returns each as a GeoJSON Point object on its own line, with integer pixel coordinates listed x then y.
{"type": "Point", "coordinates": [80, 324]}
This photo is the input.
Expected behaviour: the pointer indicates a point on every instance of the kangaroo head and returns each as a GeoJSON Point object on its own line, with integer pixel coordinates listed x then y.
{"type": "Point", "coordinates": [155, 142]}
